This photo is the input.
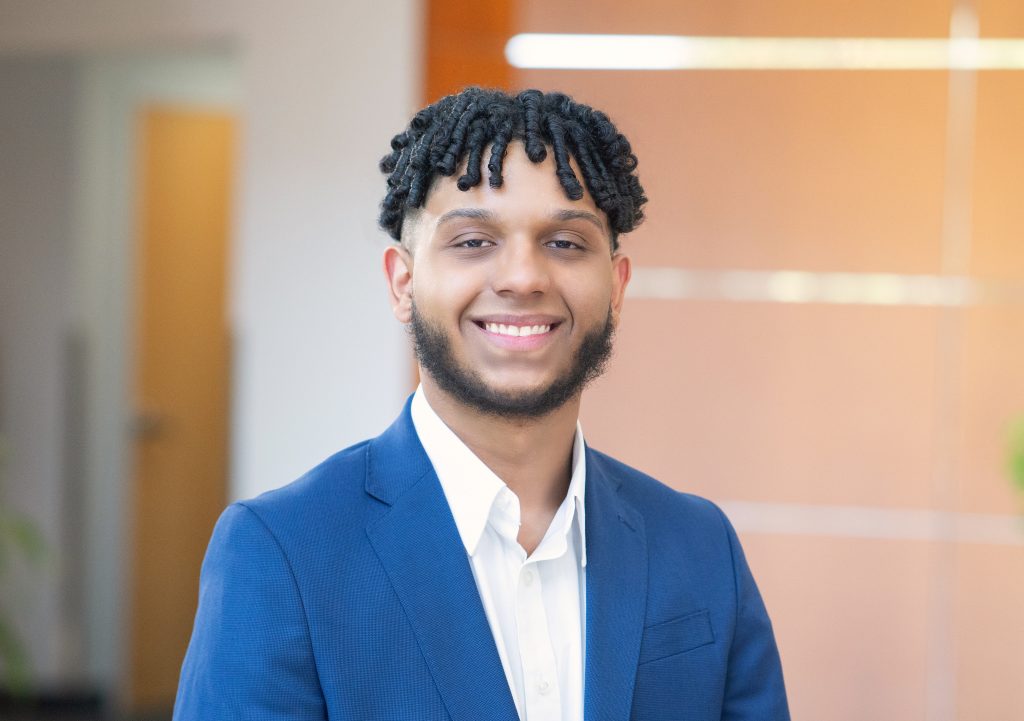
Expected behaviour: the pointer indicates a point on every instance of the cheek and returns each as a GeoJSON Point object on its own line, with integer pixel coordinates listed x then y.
{"type": "Point", "coordinates": [443, 294]}
{"type": "Point", "coordinates": [592, 300]}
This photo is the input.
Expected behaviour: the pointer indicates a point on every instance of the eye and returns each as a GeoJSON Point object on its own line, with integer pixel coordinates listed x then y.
{"type": "Point", "coordinates": [564, 244]}
{"type": "Point", "coordinates": [473, 243]}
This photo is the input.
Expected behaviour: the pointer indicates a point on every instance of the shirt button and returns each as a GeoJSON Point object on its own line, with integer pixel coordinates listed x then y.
{"type": "Point", "coordinates": [528, 577]}
{"type": "Point", "coordinates": [543, 687]}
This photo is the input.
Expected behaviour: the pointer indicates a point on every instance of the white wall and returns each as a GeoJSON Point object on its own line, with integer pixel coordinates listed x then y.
{"type": "Point", "coordinates": [36, 102]}
{"type": "Point", "coordinates": [319, 363]}
{"type": "Point", "coordinates": [110, 90]}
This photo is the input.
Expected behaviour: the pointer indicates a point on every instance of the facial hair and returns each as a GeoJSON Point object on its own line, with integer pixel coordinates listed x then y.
{"type": "Point", "coordinates": [433, 351]}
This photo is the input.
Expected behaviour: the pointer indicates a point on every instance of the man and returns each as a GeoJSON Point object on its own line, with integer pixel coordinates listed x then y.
{"type": "Point", "coordinates": [477, 561]}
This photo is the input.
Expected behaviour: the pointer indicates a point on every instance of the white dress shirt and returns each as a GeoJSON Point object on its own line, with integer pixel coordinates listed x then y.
{"type": "Point", "coordinates": [536, 605]}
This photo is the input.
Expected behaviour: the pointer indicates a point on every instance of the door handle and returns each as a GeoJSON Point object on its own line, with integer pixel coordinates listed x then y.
{"type": "Point", "coordinates": [148, 425]}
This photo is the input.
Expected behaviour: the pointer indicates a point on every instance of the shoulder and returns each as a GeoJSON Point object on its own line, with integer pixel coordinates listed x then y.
{"type": "Point", "coordinates": [679, 527]}
{"type": "Point", "coordinates": [329, 499]}
{"type": "Point", "coordinates": [328, 508]}
{"type": "Point", "coordinates": [658, 503]}
{"type": "Point", "coordinates": [339, 474]}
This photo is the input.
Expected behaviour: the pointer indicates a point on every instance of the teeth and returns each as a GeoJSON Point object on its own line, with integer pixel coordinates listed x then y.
{"type": "Point", "coordinates": [516, 330]}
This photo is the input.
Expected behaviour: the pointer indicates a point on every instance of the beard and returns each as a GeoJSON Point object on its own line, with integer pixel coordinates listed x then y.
{"type": "Point", "coordinates": [433, 351]}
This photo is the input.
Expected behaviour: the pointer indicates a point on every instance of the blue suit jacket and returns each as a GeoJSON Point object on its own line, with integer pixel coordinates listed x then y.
{"type": "Point", "coordinates": [349, 595]}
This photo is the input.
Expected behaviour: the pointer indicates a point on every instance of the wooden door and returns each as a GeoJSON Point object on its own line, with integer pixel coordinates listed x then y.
{"type": "Point", "coordinates": [181, 373]}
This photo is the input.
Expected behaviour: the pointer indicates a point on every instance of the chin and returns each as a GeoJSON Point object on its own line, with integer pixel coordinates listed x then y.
{"type": "Point", "coordinates": [518, 386]}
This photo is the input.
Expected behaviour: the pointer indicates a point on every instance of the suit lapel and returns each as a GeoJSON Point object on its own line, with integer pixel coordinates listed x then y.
{"type": "Point", "coordinates": [616, 596]}
{"type": "Point", "coordinates": [419, 546]}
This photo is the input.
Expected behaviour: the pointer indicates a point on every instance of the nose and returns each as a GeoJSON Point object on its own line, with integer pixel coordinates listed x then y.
{"type": "Point", "coordinates": [521, 269]}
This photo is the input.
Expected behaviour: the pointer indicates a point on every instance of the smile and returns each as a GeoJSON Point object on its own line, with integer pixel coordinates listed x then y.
{"type": "Point", "coordinates": [528, 333]}
{"type": "Point", "coordinates": [516, 330]}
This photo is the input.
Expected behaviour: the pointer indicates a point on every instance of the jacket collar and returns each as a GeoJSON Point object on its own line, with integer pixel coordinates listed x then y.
{"type": "Point", "coordinates": [472, 489]}
{"type": "Point", "coordinates": [419, 547]}
{"type": "Point", "coordinates": [422, 553]}
{"type": "Point", "coordinates": [395, 460]}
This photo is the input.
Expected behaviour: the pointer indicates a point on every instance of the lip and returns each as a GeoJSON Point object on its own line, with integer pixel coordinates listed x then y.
{"type": "Point", "coordinates": [518, 343]}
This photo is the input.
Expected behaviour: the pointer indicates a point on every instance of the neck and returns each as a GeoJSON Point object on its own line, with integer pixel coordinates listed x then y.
{"type": "Point", "coordinates": [533, 456]}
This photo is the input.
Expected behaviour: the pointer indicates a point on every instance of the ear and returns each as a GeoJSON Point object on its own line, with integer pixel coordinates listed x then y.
{"type": "Point", "coordinates": [622, 271]}
{"type": "Point", "coordinates": [398, 272]}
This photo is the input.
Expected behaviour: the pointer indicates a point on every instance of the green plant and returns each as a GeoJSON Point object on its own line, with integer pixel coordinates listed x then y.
{"type": "Point", "coordinates": [19, 535]}
{"type": "Point", "coordinates": [1016, 455]}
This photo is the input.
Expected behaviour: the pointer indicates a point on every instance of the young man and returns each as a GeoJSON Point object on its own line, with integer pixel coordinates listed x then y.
{"type": "Point", "coordinates": [477, 561]}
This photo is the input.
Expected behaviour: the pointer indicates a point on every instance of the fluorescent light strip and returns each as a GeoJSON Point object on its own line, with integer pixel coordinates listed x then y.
{"type": "Point", "coordinates": [677, 52]}
{"type": "Point", "coordinates": [877, 523]}
{"type": "Point", "coordinates": [791, 286]}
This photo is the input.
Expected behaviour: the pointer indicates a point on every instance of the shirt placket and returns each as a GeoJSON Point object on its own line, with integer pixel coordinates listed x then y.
{"type": "Point", "coordinates": [540, 670]}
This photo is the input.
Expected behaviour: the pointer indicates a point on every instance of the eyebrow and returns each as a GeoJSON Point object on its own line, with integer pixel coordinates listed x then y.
{"type": "Point", "coordinates": [490, 217]}
{"type": "Point", "coordinates": [470, 213]}
{"type": "Point", "coordinates": [586, 215]}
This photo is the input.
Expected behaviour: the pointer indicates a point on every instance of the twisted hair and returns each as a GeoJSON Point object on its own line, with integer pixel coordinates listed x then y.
{"type": "Point", "coordinates": [461, 126]}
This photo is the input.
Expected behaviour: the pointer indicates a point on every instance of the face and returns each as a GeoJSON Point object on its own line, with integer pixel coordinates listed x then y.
{"type": "Point", "coordinates": [512, 294]}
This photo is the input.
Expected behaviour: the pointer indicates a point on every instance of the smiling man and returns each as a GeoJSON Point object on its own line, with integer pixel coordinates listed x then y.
{"type": "Point", "coordinates": [478, 560]}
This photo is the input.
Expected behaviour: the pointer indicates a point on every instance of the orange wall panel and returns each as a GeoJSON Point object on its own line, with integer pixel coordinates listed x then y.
{"type": "Point", "coordinates": [1000, 18]}
{"type": "Point", "coordinates": [990, 632]}
{"type": "Point", "coordinates": [850, 616]}
{"type": "Point", "coordinates": [798, 170]}
{"type": "Point", "coordinates": [773, 402]}
{"type": "Point", "coordinates": [923, 18]}
{"type": "Point", "coordinates": [998, 212]}
{"type": "Point", "coordinates": [990, 396]}
{"type": "Point", "coordinates": [465, 45]}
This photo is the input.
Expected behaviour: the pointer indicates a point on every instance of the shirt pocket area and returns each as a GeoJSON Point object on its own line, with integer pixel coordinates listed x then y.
{"type": "Point", "coordinates": [676, 636]}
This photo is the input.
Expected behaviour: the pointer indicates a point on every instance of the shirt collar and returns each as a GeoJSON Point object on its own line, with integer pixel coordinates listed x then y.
{"type": "Point", "coordinates": [471, 487]}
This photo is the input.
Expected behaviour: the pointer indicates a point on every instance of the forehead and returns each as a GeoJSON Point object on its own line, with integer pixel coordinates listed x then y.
{"type": "Point", "coordinates": [529, 192]}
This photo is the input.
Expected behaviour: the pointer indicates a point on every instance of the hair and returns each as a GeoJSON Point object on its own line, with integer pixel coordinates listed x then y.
{"type": "Point", "coordinates": [461, 126]}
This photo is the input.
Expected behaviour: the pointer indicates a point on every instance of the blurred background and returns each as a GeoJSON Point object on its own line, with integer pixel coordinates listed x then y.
{"type": "Point", "coordinates": [825, 334]}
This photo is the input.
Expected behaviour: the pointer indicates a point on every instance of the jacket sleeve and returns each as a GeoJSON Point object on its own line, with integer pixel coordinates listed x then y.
{"type": "Point", "coordinates": [754, 687]}
{"type": "Point", "coordinates": [250, 656]}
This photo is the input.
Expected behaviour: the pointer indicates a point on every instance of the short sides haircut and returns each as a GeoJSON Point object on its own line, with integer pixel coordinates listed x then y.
{"type": "Point", "coordinates": [460, 128]}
